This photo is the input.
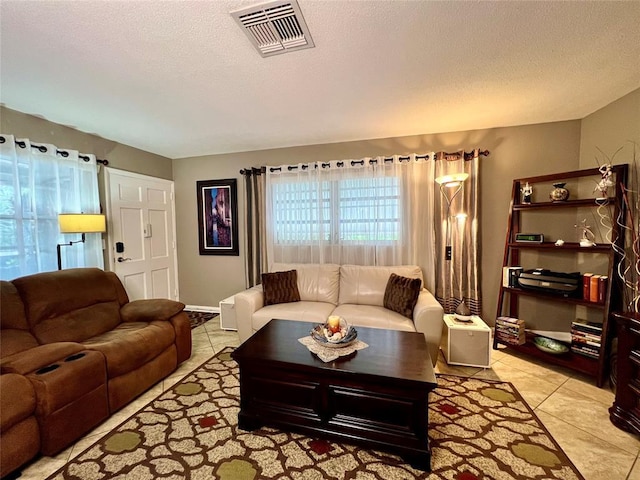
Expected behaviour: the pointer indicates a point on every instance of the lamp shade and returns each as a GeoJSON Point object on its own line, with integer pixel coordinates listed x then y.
{"type": "Point", "coordinates": [452, 180]}
{"type": "Point", "coordinates": [82, 223]}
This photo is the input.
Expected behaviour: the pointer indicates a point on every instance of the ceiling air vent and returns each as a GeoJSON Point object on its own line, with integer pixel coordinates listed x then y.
{"type": "Point", "coordinates": [275, 27]}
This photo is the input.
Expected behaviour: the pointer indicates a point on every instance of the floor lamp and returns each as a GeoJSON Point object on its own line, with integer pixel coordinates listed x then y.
{"type": "Point", "coordinates": [450, 187]}
{"type": "Point", "coordinates": [79, 223]}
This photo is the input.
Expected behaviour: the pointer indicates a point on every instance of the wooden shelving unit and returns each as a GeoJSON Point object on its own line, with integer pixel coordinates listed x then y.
{"type": "Point", "coordinates": [508, 299]}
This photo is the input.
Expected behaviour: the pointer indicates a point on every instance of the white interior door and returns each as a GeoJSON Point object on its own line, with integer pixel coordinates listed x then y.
{"type": "Point", "coordinates": [141, 234]}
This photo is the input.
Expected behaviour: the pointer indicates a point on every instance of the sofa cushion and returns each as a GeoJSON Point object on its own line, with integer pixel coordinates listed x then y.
{"type": "Point", "coordinates": [12, 314]}
{"type": "Point", "coordinates": [15, 335]}
{"type": "Point", "coordinates": [132, 344]}
{"type": "Point", "coordinates": [374, 317]}
{"type": "Point", "coordinates": [57, 313]}
{"type": "Point", "coordinates": [79, 325]}
{"type": "Point", "coordinates": [316, 312]}
{"type": "Point", "coordinates": [316, 283]}
{"type": "Point", "coordinates": [280, 287]}
{"type": "Point", "coordinates": [401, 294]}
{"type": "Point", "coordinates": [17, 400]}
{"type": "Point", "coordinates": [365, 285]}
{"type": "Point", "coordinates": [14, 341]}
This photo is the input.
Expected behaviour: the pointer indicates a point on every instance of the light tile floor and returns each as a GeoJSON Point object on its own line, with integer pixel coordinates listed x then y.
{"type": "Point", "coordinates": [570, 406]}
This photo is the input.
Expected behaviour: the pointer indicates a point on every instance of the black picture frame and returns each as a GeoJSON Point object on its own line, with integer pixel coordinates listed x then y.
{"type": "Point", "coordinates": [217, 233]}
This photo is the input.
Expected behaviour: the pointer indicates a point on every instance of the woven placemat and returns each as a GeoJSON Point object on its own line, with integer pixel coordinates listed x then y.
{"type": "Point", "coordinates": [327, 354]}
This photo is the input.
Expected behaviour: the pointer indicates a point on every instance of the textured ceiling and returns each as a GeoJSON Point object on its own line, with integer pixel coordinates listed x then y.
{"type": "Point", "coordinates": [179, 78]}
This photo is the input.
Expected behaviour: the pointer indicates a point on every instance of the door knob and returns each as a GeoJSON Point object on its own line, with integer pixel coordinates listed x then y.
{"type": "Point", "coordinates": [120, 259]}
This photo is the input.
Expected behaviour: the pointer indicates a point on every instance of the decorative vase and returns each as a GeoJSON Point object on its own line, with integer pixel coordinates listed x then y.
{"type": "Point", "coordinates": [462, 309]}
{"type": "Point", "coordinates": [559, 193]}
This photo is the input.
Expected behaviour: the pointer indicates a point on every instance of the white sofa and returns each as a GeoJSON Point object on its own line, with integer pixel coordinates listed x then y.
{"type": "Point", "coordinates": [353, 292]}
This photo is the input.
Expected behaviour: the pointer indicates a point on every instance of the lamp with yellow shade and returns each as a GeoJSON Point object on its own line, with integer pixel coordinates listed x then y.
{"type": "Point", "coordinates": [79, 223]}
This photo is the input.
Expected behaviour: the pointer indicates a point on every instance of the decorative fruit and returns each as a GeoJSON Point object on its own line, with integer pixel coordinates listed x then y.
{"type": "Point", "coordinates": [333, 323]}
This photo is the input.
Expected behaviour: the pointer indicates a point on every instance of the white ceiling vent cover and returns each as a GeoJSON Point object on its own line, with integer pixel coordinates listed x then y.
{"type": "Point", "coordinates": [275, 27]}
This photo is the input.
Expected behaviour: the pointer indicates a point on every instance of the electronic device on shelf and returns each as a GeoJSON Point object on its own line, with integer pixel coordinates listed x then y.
{"type": "Point", "coordinates": [529, 237]}
{"type": "Point", "coordinates": [567, 284]}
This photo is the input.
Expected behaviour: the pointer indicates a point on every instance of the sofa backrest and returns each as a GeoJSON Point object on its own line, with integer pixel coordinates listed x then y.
{"type": "Point", "coordinates": [365, 285]}
{"type": "Point", "coordinates": [316, 282]}
{"type": "Point", "coordinates": [70, 305]}
{"type": "Point", "coordinates": [14, 328]}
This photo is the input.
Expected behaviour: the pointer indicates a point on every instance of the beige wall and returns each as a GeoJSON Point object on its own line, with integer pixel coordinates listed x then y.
{"type": "Point", "coordinates": [614, 126]}
{"type": "Point", "coordinates": [120, 156]}
{"type": "Point", "coordinates": [515, 152]}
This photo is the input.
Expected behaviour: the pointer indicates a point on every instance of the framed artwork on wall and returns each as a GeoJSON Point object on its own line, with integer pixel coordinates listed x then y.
{"type": "Point", "coordinates": [217, 217]}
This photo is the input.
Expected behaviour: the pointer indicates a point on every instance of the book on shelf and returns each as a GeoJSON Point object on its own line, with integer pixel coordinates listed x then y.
{"type": "Point", "coordinates": [602, 288]}
{"type": "Point", "coordinates": [586, 285]}
{"type": "Point", "coordinates": [516, 321]}
{"type": "Point", "coordinates": [581, 333]}
{"type": "Point", "coordinates": [585, 337]}
{"type": "Point", "coordinates": [583, 350]}
{"type": "Point", "coordinates": [510, 327]}
{"type": "Point", "coordinates": [510, 330]}
{"type": "Point", "coordinates": [587, 327]}
{"type": "Point", "coordinates": [511, 340]}
{"type": "Point", "coordinates": [593, 288]}
{"type": "Point", "coordinates": [585, 342]}
{"type": "Point", "coordinates": [509, 334]}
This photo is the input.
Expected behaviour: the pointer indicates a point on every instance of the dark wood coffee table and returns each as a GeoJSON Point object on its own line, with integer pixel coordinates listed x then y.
{"type": "Point", "coordinates": [376, 397]}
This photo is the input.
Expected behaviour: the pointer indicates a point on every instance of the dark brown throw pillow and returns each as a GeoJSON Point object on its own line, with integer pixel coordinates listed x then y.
{"type": "Point", "coordinates": [280, 287]}
{"type": "Point", "coordinates": [401, 294]}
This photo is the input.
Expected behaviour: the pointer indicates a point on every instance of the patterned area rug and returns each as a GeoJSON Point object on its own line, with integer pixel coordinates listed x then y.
{"type": "Point", "coordinates": [479, 429]}
{"type": "Point", "coordinates": [198, 318]}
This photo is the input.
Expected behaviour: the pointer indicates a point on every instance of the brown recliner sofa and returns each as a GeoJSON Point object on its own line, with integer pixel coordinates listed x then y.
{"type": "Point", "coordinates": [73, 350]}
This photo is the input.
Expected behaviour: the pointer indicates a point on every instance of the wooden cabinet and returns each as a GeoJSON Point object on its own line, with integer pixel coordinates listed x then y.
{"type": "Point", "coordinates": [561, 309]}
{"type": "Point", "coordinates": [625, 412]}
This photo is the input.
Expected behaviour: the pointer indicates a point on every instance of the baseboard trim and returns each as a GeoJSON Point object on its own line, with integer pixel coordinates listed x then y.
{"type": "Point", "coordinates": [202, 308]}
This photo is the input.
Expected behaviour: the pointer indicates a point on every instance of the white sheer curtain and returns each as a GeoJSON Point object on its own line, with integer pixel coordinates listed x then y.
{"type": "Point", "coordinates": [37, 183]}
{"type": "Point", "coordinates": [373, 211]}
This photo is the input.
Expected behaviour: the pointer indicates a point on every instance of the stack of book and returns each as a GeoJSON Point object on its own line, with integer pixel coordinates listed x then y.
{"type": "Point", "coordinates": [510, 330]}
{"type": "Point", "coordinates": [594, 287]}
{"type": "Point", "coordinates": [586, 338]}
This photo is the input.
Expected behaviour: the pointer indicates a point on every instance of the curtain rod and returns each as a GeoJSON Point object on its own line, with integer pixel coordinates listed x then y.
{"type": "Point", "coordinates": [63, 153]}
{"type": "Point", "coordinates": [402, 158]}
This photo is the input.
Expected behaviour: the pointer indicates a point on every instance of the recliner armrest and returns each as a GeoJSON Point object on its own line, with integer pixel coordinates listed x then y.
{"type": "Point", "coordinates": [246, 304]}
{"type": "Point", "coordinates": [149, 310]}
{"type": "Point", "coordinates": [30, 360]}
{"type": "Point", "coordinates": [428, 316]}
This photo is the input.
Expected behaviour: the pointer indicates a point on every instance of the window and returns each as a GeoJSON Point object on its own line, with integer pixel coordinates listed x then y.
{"type": "Point", "coordinates": [36, 184]}
{"type": "Point", "coordinates": [341, 211]}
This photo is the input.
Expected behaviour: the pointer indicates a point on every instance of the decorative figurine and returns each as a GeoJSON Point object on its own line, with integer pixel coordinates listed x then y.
{"type": "Point", "coordinates": [559, 193]}
{"type": "Point", "coordinates": [527, 191]}
{"type": "Point", "coordinates": [603, 185]}
{"type": "Point", "coordinates": [559, 242]}
{"type": "Point", "coordinates": [585, 241]}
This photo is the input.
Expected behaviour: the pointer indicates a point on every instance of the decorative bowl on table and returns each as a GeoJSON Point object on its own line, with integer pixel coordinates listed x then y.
{"type": "Point", "coordinates": [549, 345]}
{"type": "Point", "coordinates": [335, 333]}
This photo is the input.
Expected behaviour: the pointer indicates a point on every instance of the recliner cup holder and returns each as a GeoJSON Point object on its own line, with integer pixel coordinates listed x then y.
{"type": "Point", "coordinates": [47, 369]}
{"type": "Point", "coordinates": [73, 357]}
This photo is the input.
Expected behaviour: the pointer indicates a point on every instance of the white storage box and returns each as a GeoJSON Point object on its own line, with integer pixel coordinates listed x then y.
{"type": "Point", "coordinates": [228, 314]}
{"type": "Point", "coordinates": [467, 343]}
